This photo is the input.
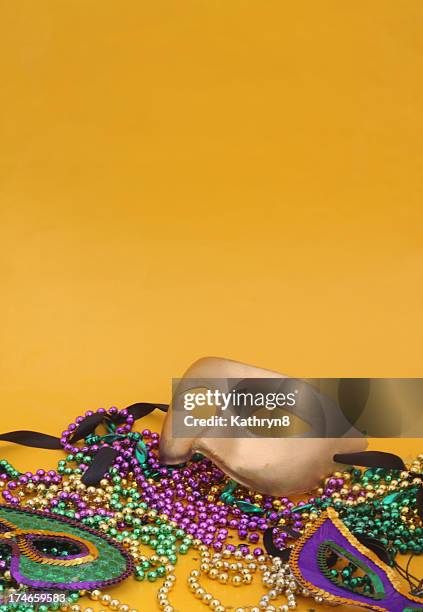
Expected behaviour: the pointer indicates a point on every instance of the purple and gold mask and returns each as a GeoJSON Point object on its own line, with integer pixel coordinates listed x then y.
{"type": "Point", "coordinates": [332, 564]}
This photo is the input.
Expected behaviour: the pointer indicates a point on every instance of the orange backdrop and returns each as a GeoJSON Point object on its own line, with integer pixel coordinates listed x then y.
{"type": "Point", "coordinates": [184, 178]}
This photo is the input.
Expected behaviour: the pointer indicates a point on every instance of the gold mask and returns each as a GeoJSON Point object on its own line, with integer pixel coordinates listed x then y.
{"type": "Point", "coordinates": [274, 466]}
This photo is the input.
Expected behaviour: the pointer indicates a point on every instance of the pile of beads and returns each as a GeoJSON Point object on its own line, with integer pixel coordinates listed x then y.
{"type": "Point", "coordinates": [141, 503]}
{"type": "Point", "coordinates": [379, 503]}
{"type": "Point", "coordinates": [207, 505]}
{"type": "Point", "coordinates": [231, 567]}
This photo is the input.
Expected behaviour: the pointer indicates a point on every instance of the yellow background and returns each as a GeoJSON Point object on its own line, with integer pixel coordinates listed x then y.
{"type": "Point", "coordinates": [185, 178]}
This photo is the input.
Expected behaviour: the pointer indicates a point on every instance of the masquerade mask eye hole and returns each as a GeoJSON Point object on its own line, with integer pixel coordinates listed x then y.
{"type": "Point", "coordinates": [51, 547]}
{"type": "Point", "coordinates": [348, 572]}
{"type": "Point", "coordinates": [272, 390]}
{"type": "Point", "coordinates": [5, 552]}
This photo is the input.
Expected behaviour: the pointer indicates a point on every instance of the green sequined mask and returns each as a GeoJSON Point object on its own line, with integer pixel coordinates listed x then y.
{"type": "Point", "coordinates": [47, 552]}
